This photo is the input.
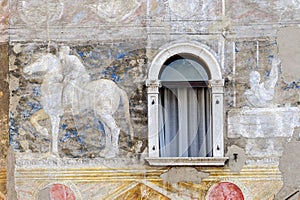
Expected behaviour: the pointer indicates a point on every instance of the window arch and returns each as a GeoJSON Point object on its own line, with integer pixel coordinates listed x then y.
{"type": "Point", "coordinates": [184, 65]}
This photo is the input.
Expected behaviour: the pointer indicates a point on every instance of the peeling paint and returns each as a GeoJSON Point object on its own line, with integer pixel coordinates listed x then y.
{"type": "Point", "coordinates": [183, 174]}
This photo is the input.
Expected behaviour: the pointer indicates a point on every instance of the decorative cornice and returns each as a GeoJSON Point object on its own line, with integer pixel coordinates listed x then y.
{"type": "Point", "coordinates": [138, 174]}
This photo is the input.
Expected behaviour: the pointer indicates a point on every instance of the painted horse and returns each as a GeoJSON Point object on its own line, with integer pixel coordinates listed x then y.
{"type": "Point", "coordinates": [75, 91]}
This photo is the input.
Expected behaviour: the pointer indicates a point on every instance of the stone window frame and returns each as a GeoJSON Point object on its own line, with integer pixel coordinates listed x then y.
{"type": "Point", "coordinates": [216, 83]}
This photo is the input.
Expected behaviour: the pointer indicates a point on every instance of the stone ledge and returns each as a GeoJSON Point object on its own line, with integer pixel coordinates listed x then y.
{"type": "Point", "coordinates": [188, 161]}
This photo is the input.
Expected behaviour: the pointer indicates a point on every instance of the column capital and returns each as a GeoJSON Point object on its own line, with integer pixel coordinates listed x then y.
{"type": "Point", "coordinates": [217, 86]}
{"type": "Point", "coordinates": [216, 83]}
{"type": "Point", "coordinates": [153, 86]}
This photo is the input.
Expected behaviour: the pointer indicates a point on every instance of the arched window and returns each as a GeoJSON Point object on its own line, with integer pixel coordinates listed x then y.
{"type": "Point", "coordinates": [185, 107]}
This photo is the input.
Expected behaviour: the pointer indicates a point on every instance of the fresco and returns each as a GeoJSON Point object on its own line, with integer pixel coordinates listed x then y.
{"type": "Point", "coordinates": [73, 101]}
{"type": "Point", "coordinates": [56, 192]}
{"type": "Point", "coordinates": [225, 191]}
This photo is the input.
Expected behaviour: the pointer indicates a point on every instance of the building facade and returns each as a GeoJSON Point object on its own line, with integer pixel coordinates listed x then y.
{"type": "Point", "coordinates": [149, 99]}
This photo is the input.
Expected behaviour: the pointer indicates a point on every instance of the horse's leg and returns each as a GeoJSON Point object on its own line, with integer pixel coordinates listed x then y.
{"type": "Point", "coordinates": [112, 136]}
{"type": "Point", "coordinates": [34, 120]}
{"type": "Point", "coordinates": [55, 120]}
{"type": "Point", "coordinates": [107, 141]}
{"type": "Point", "coordinates": [125, 103]}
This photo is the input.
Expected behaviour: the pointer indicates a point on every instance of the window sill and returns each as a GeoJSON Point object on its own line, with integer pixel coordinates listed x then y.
{"type": "Point", "coordinates": [187, 161]}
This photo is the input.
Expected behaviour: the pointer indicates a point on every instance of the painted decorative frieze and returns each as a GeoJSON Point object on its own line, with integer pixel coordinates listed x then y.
{"type": "Point", "coordinates": [40, 13]}
{"type": "Point", "coordinates": [146, 183]}
{"type": "Point", "coordinates": [115, 10]}
{"type": "Point", "coordinates": [65, 20]}
{"type": "Point", "coordinates": [185, 9]}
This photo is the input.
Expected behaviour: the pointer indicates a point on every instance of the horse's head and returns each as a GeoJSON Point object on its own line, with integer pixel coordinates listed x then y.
{"type": "Point", "coordinates": [43, 64]}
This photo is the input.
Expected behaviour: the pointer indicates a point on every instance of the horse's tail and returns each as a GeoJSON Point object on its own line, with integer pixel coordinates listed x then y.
{"type": "Point", "coordinates": [125, 107]}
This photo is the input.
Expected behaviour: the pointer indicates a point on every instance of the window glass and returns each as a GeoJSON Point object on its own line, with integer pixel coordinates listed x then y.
{"type": "Point", "coordinates": [184, 69]}
{"type": "Point", "coordinates": [184, 111]}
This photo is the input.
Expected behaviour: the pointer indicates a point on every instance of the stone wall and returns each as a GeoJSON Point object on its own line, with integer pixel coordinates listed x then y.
{"type": "Point", "coordinates": [59, 52]}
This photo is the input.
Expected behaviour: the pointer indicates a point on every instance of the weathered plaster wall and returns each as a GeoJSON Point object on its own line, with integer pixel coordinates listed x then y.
{"type": "Point", "coordinates": [117, 40]}
{"type": "Point", "coordinates": [4, 7]}
{"type": "Point", "coordinates": [4, 102]}
{"type": "Point", "coordinates": [288, 45]}
{"type": "Point", "coordinates": [4, 94]}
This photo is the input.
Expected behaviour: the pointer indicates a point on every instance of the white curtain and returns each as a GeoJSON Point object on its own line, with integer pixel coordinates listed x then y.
{"type": "Point", "coordinates": [184, 121]}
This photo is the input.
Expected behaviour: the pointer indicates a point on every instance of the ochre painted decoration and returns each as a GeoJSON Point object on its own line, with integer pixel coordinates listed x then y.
{"type": "Point", "coordinates": [142, 191]}
{"type": "Point", "coordinates": [226, 191]}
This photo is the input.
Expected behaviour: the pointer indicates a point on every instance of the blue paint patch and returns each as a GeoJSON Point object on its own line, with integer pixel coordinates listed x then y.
{"type": "Point", "coordinates": [25, 114]}
{"type": "Point", "coordinates": [236, 50]}
{"type": "Point", "coordinates": [111, 73]}
{"type": "Point", "coordinates": [293, 85]}
{"type": "Point", "coordinates": [65, 137]}
{"type": "Point", "coordinates": [72, 134]}
{"type": "Point", "coordinates": [36, 91]}
{"type": "Point", "coordinates": [13, 132]}
{"type": "Point", "coordinates": [99, 125]}
{"type": "Point", "coordinates": [34, 107]}
{"type": "Point", "coordinates": [80, 139]}
{"type": "Point", "coordinates": [120, 56]}
{"type": "Point", "coordinates": [267, 74]}
{"type": "Point", "coordinates": [64, 126]}
{"type": "Point", "coordinates": [115, 77]}
{"type": "Point", "coordinates": [80, 53]}
{"type": "Point", "coordinates": [78, 17]}
{"type": "Point", "coordinates": [270, 58]}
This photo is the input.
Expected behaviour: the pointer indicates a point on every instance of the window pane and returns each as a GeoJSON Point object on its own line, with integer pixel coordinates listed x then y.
{"type": "Point", "coordinates": [184, 118]}
{"type": "Point", "coordinates": [184, 70]}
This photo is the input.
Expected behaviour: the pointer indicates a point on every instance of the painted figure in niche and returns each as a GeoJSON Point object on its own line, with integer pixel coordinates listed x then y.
{"type": "Point", "coordinates": [51, 95]}
{"type": "Point", "coordinates": [67, 88]}
{"type": "Point", "coordinates": [261, 94]}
